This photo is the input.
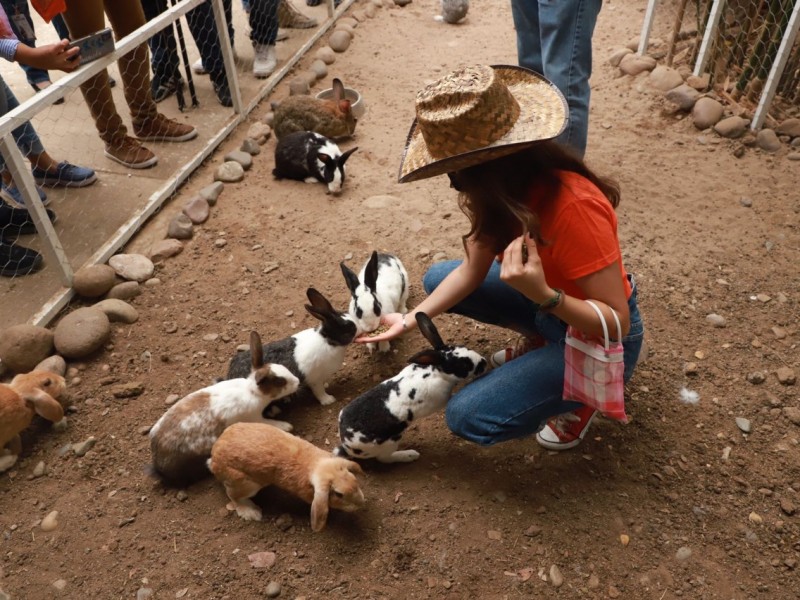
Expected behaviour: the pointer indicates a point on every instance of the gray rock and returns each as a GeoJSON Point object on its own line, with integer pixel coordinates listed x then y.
{"type": "Point", "coordinates": [81, 332]}
{"type": "Point", "coordinates": [152, 282]}
{"type": "Point", "coordinates": [24, 346]}
{"type": "Point", "coordinates": [795, 143]}
{"type": "Point", "coordinates": [133, 267]}
{"type": "Point", "coordinates": [92, 281]}
{"type": "Point", "coordinates": [786, 376]}
{"type": "Point", "coordinates": [716, 320]}
{"type": "Point", "coordinates": [793, 156]}
{"type": "Point", "coordinates": [732, 127]}
{"type": "Point", "coordinates": [618, 55]}
{"type": "Point", "coordinates": [684, 96]}
{"type": "Point", "coordinates": [125, 291]}
{"type": "Point", "coordinates": [706, 112]}
{"type": "Point", "coordinates": [339, 41]}
{"type": "Point", "coordinates": [81, 448]}
{"type": "Point", "coordinates": [792, 413]}
{"type": "Point", "coordinates": [346, 28]}
{"type": "Point", "coordinates": [144, 594]}
{"type": "Point", "coordinates": [756, 377]}
{"type": "Point", "coordinates": [664, 78]}
{"type": "Point", "coordinates": [320, 68]}
{"type": "Point", "coordinates": [243, 158]}
{"type": "Point", "coordinates": [211, 192]}
{"type": "Point", "coordinates": [269, 118]}
{"type": "Point", "coordinates": [350, 22]}
{"type": "Point", "coordinates": [197, 208]}
{"type": "Point", "coordinates": [326, 55]}
{"type": "Point", "coordinates": [40, 469]}
{"type": "Point", "coordinates": [118, 311]}
{"type": "Point", "coordinates": [743, 424]}
{"type": "Point", "coordinates": [746, 202]}
{"type": "Point", "coordinates": [790, 127]}
{"type": "Point", "coordinates": [699, 83]}
{"type": "Point", "coordinates": [229, 172]}
{"type": "Point", "coordinates": [167, 248]}
{"type": "Point", "coordinates": [250, 146]}
{"type": "Point", "coordinates": [683, 553]}
{"type": "Point", "coordinates": [54, 364]}
{"type": "Point", "coordinates": [402, 2]}
{"type": "Point", "coordinates": [310, 77]}
{"type": "Point", "coordinates": [299, 87]}
{"type": "Point", "coordinates": [633, 64]}
{"type": "Point", "coordinates": [767, 140]}
{"type": "Point", "coordinates": [181, 227]}
{"type": "Point", "coordinates": [260, 132]}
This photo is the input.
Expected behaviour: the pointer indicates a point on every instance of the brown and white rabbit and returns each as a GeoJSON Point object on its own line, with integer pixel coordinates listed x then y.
{"type": "Point", "coordinates": [182, 438]}
{"type": "Point", "coordinates": [250, 456]}
{"type": "Point", "coordinates": [332, 118]}
{"type": "Point", "coordinates": [28, 394]}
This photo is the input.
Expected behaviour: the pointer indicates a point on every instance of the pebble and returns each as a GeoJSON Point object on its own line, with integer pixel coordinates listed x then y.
{"type": "Point", "coordinates": [92, 281]}
{"type": "Point", "coordinates": [167, 248]}
{"type": "Point", "coordinates": [690, 368]}
{"type": "Point", "coordinates": [220, 242]}
{"type": "Point", "coordinates": [793, 155]}
{"type": "Point", "coordinates": [180, 227]}
{"type": "Point", "coordinates": [633, 64]}
{"type": "Point", "coordinates": [767, 140]}
{"type": "Point", "coordinates": [54, 364]}
{"type": "Point", "coordinates": [182, 496]}
{"type": "Point", "coordinates": [556, 578]}
{"type": "Point", "coordinates": [250, 146]}
{"type": "Point", "coordinates": [211, 192]}
{"type": "Point", "coordinates": [624, 539]}
{"type": "Point", "coordinates": [594, 582]}
{"type": "Point", "coordinates": [262, 560]}
{"type": "Point", "coordinates": [439, 256]}
{"type": "Point", "coordinates": [171, 399]}
{"type": "Point", "coordinates": [320, 68]}
{"type": "Point", "coordinates": [494, 535]}
{"type": "Point", "coordinates": [133, 267]}
{"type": "Point", "coordinates": [699, 83]}
{"type": "Point", "coordinates": [613, 592]}
{"type": "Point", "coordinates": [243, 158]}
{"type": "Point", "coordinates": [81, 332]}
{"type": "Point", "coordinates": [60, 584]}
{"type": "Point", "coordinates": [786, 376]}
{"type": "Point", "coordinates": [50, 522]}
{"type": "Point", "coordinates": [118, 311]}
{"type": "Point", "coordinates": [127, 290]}
{"type": "Point", "coordinates": [683, 553]}
{"type": "Point", "coordinates": [743, 424]}
{"type": "Point", "coordinates": [284, 522]}
{"type": "Point", "coordinates": [339, 41]}
{"type": "Point", "coordinates": [197, 209]}
{"type": "Point", "coordinates": [260, 132]}
{"type": "Point", "coordinates": [706, 113]}
{"type": "Point", "coordinates": [230, 171]}
{"type": "Point", "coordinates": [269, 118]}
{"type": "Point", "coordinates": [144, 594]}
{"type": "Point", "coordinates": [683, 96]}
{"type": "Point", "coordinates": [756, 518]}
{"type": "Point", "coordinates": [81, 448]}
{"type": "Point", "coordinates": [130, 389]}
{"type": "Point", "coordinates": [299, 87]}
{"type": "Point", "coordinates": [716, 320]}
{"type": "Point", "coordinates": [24, 346]}
{"type": "Point", "coordinates": [370, 10]}
{"type": "Point", "coordinates": [170, 326]}
{"type": "Point", "coordinates": [326, 55]}
{"type": "Point", "coordinates": [732, 127]}
{"type": "Point", "coordinates": [790, 127]}
{"type": "Point", "coordinates": [792, 413]}
{"type": "Point", "coordinates": [665, 78]}
{"type": "Point", "coordinates": [40, 469]}
{"type": "Point", "coordinates": [756, 377]}
{"type": "Point", "coordinates": [787, 506]}
{"type": "Point", "coordinates": [273, 589]}
{"type": "Point", "coordinates": [745, 201]}
{"type": "Point", "coordinates": [346, 28]}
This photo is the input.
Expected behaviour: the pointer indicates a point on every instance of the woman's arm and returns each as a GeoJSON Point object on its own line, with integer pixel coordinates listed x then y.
{"type": "Point", "coordinates": [50, 57]}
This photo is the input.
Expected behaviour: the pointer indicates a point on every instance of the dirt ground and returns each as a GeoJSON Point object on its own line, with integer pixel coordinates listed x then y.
{"type": "Point", "coordinates": [709, 512]}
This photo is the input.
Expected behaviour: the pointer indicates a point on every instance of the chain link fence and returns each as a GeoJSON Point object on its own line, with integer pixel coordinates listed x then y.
{"type": "Point", "coordinates": [741, 44]}
{"type": "Point", "coordinates": [89, 156]}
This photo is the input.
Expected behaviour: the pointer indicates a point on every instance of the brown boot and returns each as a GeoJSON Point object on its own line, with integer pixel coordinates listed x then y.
{"type": "Point", "coordinates": [129, 152]}
{"type": "Point", "coordinates": [161, 129]}
{"type": "Point", "coordinates": [290, 17]}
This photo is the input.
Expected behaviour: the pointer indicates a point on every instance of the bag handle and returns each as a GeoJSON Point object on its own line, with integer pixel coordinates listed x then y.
{"type": "Point", "coordinates": [606, 337]}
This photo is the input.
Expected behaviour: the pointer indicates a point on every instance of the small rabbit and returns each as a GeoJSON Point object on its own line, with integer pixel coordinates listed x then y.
{"type": "Point", "coordinates": [311, 157]}
{"type": "Point", "coordinates": [181, 439]}
{"type": "Point", "coordinates": [380, 288]}
{"type": "Point", "coordinates": [28, 394]}
{"type": "Point", "coordinates": [332, 118]}
{"type": "Point", "coordinates": [453, 11]}
{"type": "Point", "coordinates": [251, 456]}
{"type": "Point", "coordinates": [312, 355]}
{"type": "Point", "coordinates": [372, 424]}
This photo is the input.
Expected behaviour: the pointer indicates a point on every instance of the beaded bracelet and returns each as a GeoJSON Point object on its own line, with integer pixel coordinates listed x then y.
{"type": "Point", "coordinates": [553, 302]}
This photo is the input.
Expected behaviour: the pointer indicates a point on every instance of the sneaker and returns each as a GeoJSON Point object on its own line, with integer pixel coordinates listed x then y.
{"type": "Point", "coordinates": [65, 175]}
{"type": "Point", "coordinates": [282, 35]}
{"type": "Point", "coordinates": [161, 129]}
{"type": "Point", "coordinates": [265, 60]}
{"type": "Point", "coordinates": [130, 153]}
{"type": "Point", "coordinates": [12, 195]}
{"type": "Point", "coordinates": [566, 431]}
{"type": "Point", "coordinates": [197, 67]}
{"type": "Point", "coordinates": [223, 93]}
{"type": "Point", "coordinates": [17, 260]}
{"type": "Point", "coordinates": [161, 90]}
{"type": "Point", "coordinates": [524, 344]}
{"type": "Point", "coordinates": [18, 221]}
{"type": "Point", "coordinates": [290, 17]}
{"type": "Point", "coordinates": [111, 81]}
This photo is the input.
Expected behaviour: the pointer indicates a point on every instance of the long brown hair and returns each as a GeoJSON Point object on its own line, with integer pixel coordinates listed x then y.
{"type": "Point", "coordinates": [494, 194]}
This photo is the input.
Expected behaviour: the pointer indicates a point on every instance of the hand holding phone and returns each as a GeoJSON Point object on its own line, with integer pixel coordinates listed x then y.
{"type": "Point", "coordinates": [93, 46]}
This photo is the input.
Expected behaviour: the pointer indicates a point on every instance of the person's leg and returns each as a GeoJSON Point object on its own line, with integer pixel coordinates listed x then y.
{"type": "Point", "coordinates": [163, 54]}
{"type": "Point", "coordinates": [566, 28]}
{"type": "Point", "coordinates": [526, 22]}
{"type": "Point", "coordinates": [19, 17]}
{"type": "Point", "coordinates": [61, 27]}
{"type": "Point", "coordinates": [263, 34]}
{"type": "Point", "coordinates": [204, 31]}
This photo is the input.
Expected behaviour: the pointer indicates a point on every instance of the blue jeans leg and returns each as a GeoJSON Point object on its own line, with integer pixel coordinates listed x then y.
{"type": "Point", "coordinates": [25, 135]}
{"type": "Point", "coordinates": [264, 22]}
{"type": "Point", "coordinates": [20, 7]}
{"type": "Point", "coordinates": [515, 400]}
{"type": "Point", "coordinates": [563, 55]}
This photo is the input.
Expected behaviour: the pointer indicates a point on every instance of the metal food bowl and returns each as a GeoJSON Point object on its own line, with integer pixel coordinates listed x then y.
{"type": "Point", "coordinates": [356, 101]}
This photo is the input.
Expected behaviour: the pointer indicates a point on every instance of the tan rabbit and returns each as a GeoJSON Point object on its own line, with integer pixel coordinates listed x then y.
{"type": "Point", "coordinates": [27, 395]}
{"type": "Point", "coordinates": [251, 456]}
{"type": "Point", "coordinates": [332, 118]}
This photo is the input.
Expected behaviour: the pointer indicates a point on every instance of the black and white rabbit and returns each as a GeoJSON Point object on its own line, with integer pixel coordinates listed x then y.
{"type": "Point", "coordinates": [312, 355]}
{"type": "Point", "coordinates": [381, 288]}
{"type": "Point", "coordinates": [311, 157]}
{"type": "Point", "coordinates": [372, 424]}
{"type": "Point", "coordinates": [182, 438]}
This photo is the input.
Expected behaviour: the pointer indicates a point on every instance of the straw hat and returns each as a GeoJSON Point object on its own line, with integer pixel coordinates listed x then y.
{"type": "Point", "coordinates": [479, 113]}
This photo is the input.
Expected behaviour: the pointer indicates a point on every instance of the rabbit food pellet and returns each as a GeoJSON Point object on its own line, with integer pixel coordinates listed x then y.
{"type": "Point", "coordinates": [379, 330]}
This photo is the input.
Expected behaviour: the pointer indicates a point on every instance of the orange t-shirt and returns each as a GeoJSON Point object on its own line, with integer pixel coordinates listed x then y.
{"type": "Point", "coordinates": [579, 228]}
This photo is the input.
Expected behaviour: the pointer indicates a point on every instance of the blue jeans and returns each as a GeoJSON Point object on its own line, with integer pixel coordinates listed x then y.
{"type": "Point", "coordinates": [515, 400]}
{"type": "Point", "coordinates": [25, 135]}
{"type": "Point", "coordinates": [15, 8]}
{"type": "Point", "coordinates": [554, 38]}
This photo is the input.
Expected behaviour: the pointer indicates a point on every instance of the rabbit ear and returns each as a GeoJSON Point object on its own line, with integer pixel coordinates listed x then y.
{"type": "Point", "coordinates": [324, 157]}
{"type": "Point", "coordinates": [345, 106]}
{"type": "Point", "coordinates": [319, 506]}
{"type": "Point", "coordinates": [256, 350]}
{"type": "Point", "coordinates": [268, 382]}
{"type": "Point", "coordinates": [371, 272]}
{"type": "Point", "coordinates": [350, 278]}
{"type": "Point", "coordinates": [428, 329]}
{"type": "Point", "coordinates": [426, 358]}
{"type": "Point", "coordinates": [318, 301]}
{"type": "Point", "coordinates": [338, 89]}
{"type": "Point", "coordinates": [44, 405]}
{"type": "Point", "coordinates": [343, 158]}
{"type": "Point", "coordinates": [354, 467]}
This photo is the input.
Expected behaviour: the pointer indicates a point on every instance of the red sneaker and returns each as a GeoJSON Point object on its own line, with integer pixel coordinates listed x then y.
{"type": "Point", "coordinates": [566, 431]}
{"type": "Point", "coordinates": [524, 345]}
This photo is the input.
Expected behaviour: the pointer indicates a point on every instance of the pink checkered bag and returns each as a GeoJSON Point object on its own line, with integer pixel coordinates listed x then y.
{"type": "Point", "coordinates": [593, 370]}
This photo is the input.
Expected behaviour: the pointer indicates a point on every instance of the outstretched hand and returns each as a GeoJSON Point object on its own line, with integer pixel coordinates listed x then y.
{"type": "Point", "coordinates": [522, 269]}
{"type": "Point", "coordinates": [49, 57]}
{"type": "Point", "coordinates": [392, 320]}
